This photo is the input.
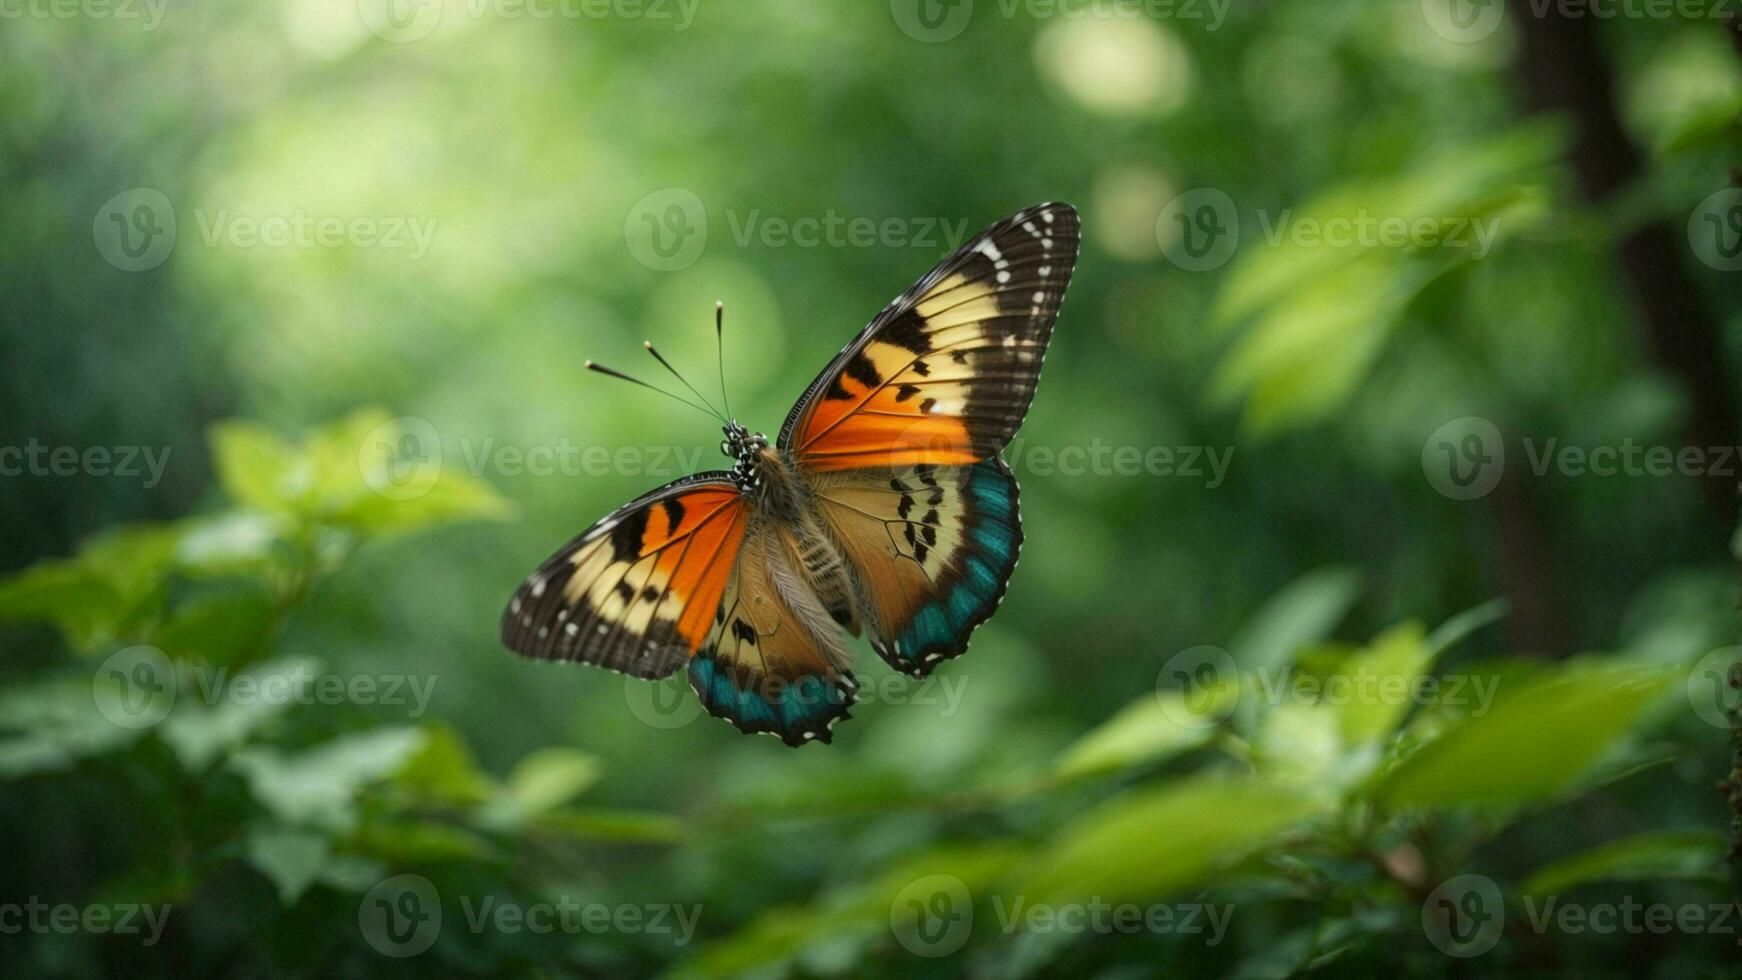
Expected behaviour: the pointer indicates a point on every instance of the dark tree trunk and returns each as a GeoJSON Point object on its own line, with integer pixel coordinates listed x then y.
{"type": "Point", "coordinates": [1562, 70]}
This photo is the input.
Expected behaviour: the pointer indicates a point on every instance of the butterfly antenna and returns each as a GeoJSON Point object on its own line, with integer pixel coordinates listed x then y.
{"type": "Point", "coordinates": [667, 364]}
{"type": "Point", "coordinates": [637, 381]}
{"type": "Point", "coordinates": [720, 349]}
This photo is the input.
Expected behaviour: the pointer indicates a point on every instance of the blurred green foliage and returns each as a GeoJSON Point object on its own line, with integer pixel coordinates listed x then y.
{"type": "Point", "coordinates": [1069, 762]}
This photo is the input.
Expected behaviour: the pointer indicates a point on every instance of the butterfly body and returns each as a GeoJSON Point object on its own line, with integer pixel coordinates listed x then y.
{"type": "Point", "coordinates": [883, 509]}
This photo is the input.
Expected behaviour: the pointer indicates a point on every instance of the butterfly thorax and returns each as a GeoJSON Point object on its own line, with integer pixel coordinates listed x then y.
{"type": "Point", "coordinates": [769, 475]}
{"type": "Point", "coordinates": [746, 449]}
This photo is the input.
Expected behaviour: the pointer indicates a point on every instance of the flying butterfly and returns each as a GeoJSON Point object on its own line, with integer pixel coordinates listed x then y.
{"type": "Point", "coordinates": [883, 508]}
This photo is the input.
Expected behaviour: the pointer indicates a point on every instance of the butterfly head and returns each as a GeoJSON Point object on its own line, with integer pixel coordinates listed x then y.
{"type": "Point", "coordinates": [745, 448]}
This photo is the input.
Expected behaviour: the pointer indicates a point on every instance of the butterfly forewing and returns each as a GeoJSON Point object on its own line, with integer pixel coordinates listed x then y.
{"type": "Point", "coordinates": [945, 373]}
{"type": "Point", "coordinates": [638, 592]}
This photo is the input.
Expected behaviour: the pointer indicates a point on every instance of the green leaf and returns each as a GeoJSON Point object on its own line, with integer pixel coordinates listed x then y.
{"type": "Point", "coordinates": [1536, 738]}
{"type": "Point", "coordinates": [1302, 358]}
{"type": "Point", "coordinates": [444, 771]}
{"type": "Point", "coordinates": [319, 787]}
{"type": "Point", "coordinates": [201, 733]}
{"type": "Point", "coordinates": [256, 468]}
{"type": "Point", "coordinates": [231, 543]}
{"type": "Point", "coordinates": [613, 825]}
{"type": "Point", "coordinates": [1694, 854]}
{"type": "Point", "coordinates": [409, 843]}
{"type": "Point", "coordinates": [292, 859]}
{"type": "Point", "coordinates": [102, 596]}
{"type": "Point", "coordinates": [1158, 840]}
{"type": "Point", "coordinates": [1149, 729]}
{"type": "Point", "coordinates": [1382, 681]}
{"type": "Point", "coordinates": [548, 778]}
{"type": "Point", "coordinates": [229, 627]}
{"type": "Point", "coordinates": [860, 912]}
{"type": "Point", "coordinates": [1299, 745]}
{"type": "Point", "coordinates": [1456, 629]}
{"type": "Point", "coordinates": [83, 607]}
{"type": "Point", "coordinates": [1304, 612]}
{"type": "Point", "coordinates": [51, 724]}
{"type": "Point", "coordinates": [454, 496]}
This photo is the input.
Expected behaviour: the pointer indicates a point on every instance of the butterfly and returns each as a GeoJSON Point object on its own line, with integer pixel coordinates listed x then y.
{"type": "Point", "coordinates": [883, 508]}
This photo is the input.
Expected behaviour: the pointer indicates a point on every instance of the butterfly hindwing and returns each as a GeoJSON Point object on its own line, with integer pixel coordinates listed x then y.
{"type": "Point", "coordinates": [637, 592]}
{"type": "Point", "coordinates": [774, 662]}
{"type": "Point", "coordinates": [932, 546]}
{"type": "Point", "coordinates": [945, 373]}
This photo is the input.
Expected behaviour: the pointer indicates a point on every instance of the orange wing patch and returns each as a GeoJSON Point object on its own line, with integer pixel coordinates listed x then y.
{"type": "Point", "coordinates": [640, 590]}
{"type": "Point", "coordinates": [944, 374]}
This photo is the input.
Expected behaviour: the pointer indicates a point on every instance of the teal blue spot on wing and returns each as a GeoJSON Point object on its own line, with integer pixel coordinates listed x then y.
{"type": "Point", "coordinates": [988, 554]}
{"type": "Point", "coordinates": [798, 711]}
